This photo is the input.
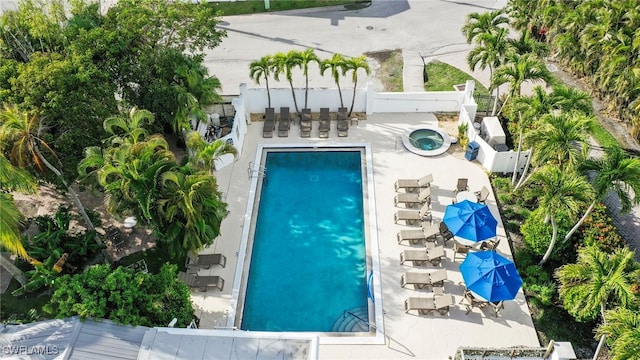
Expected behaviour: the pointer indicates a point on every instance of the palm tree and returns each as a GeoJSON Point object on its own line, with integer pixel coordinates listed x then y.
{"type": "Point", "coordinates": [129, 174]}
{"type": "Point", "coordinates": [262, 69]}
{"type": "Point", "coordinates": [569, 99]}
{"type": "Point", "coordinates": [202, 155]}
{"type": "Point", "coordinates": [622, 328]}
{"type": "Point", "coordinates": [616, 171]}
{"type": "Point", "coordinates": [525, 44]}
{"type": "Point", "coordinates": [558, 139]}
{"type": "Point", "coordinates": [195, 90]}
{"type": "Point", "coordinates": [132, 126]}
{"type": "Point", "coordinates": [19, 133]}
{"type": "Point", "coordinates": [12, 179]}
{"type": "Point", "coordinates": [481, 23]}
{"type": "Point", "coordinates": [337, 66]}
{"type": "Point", "coordinates": [10, 221]}
{"type": "Point", "coordinates": [596, 280]}
{"type": "Point", "coordinates": [307, 57]}
{"type": "Point", "coordinates": [490, 52]}
{"type": "Point", "coordinates": [529, 108]}
{"type": "Point", "coordinates": [520, 68]}
{"type": "Point", "coordinates": [354, 64]}
{"type": "Point", "coordinates": [284, 64]}
{"type": "Point", "coordinates": [128, 167]}
{"type": "Point", "coordinates": [557, 192]}
{"type": "Point", "coordinates": [562, 139]}
{"type": "Point", "coordinates": [191, 209]}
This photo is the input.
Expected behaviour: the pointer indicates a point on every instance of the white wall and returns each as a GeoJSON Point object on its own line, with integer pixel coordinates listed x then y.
{"type": "Point", "coordinates": [394, 102]}
{"type": "Point", "coordinates": [256, 99]}
{"type": "Point", "coordinates": [238, 130]}
{"type": "Point", "coordinates": [492, 160]}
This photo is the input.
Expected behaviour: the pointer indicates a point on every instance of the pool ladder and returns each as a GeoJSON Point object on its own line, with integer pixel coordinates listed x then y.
{"type": "Point", "coordinates": [252, 171]}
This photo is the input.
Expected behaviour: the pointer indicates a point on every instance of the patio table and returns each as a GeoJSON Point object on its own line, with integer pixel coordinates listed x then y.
{"type": "Point", "coordinates": [466, 195]}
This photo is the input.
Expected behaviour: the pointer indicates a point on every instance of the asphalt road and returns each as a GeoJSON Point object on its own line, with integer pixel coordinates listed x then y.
{"type": "Point", "coordinates": [422, 27]}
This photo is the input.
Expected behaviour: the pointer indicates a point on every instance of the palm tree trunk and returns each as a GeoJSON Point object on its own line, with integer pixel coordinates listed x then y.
{"type": "Point", "coordinates": [306, 91]}
{"type": "Point", "coordinates": [13, 270]}
{"type": "Point", "coordinates": [353, 98]}
{"type": "Point", "coordinates": [73, 194]}
{"type": "Point", "coordinates": [524, 172]}
{"type": "Point", "coordinates": [515, 167]}
{"type": "Point", "coordinates": [495, 102]}
{"type": "Point", "coordinates": [504, 103]}
{"type": "Point", "coordinates": [295, 102]}
{"type": "Point", "coordinates": [554, 235]}
{"type": "Point", "coordinates": [339, 92]}
{"type": "Point", "coordinates": [599, 348]}
{"type": "Point", "coordinates": [579, 223]}
{"type": "Point", "coordinates": [266, 80]}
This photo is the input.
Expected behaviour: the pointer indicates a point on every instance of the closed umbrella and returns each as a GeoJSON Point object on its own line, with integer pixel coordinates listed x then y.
{"type": "Point", "coordinates": [491, 276]}
{"type": "Point", "coordinates": [470, 220]}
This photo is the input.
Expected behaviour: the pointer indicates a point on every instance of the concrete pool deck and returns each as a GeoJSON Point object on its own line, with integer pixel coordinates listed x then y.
{"type": "Point", "coordinates": [412, 335]}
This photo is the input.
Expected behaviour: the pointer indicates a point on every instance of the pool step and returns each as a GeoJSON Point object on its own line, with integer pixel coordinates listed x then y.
{"type": "Point", "coordinates": [350, 323]}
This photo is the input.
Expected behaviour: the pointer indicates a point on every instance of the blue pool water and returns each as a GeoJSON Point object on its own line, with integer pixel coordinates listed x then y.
{"type": "Point", "coordinates": [308, 261]}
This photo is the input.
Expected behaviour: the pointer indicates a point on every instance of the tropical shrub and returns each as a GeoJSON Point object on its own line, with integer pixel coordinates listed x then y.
{"type": "Point", "coordinates": [123, 296]}
{"type": "Point", "coordinates": [537, 282]}
{"type": "Point", "coordinates": [55, 249]}
{"type": "Point", "coordinates": [537, 234]}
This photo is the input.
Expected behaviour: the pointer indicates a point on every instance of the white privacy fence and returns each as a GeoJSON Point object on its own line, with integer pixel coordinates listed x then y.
{"type": "Point", "coordinates": [254, 100]}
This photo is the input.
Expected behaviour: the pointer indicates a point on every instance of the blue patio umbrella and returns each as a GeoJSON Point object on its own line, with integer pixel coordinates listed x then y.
{"type": "Point", "coordinates": [470, 220]}
{"type": "Point", "coordinates": [491, 276]}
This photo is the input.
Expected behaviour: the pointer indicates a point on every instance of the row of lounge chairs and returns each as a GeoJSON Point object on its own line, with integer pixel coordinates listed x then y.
{"type": "Point", "coordinates": [284, 122]}
{"type": "Point", "coordinates": [417, 193]}
{"type": "Point", "coordinates": [205, 261]}
{"type": "Point", "coordinates": [306, 123]}
{"type": "Point", "coordinates": [201, 283]}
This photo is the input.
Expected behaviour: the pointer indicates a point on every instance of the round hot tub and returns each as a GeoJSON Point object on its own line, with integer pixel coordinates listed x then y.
{"type": "Point", "coordinates": [426, 141]}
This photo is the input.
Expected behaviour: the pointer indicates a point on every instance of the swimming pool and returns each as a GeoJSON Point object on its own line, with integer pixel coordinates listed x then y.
{"type": "Point", "coordinates": [308, 259]}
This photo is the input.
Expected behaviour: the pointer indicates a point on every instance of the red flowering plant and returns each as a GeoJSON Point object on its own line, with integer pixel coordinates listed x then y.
{"type": "Point", "coordinates": [598, 229]}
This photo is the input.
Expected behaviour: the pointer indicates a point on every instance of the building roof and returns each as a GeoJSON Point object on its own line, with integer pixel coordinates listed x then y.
{"type": "Point", "coordinates": [177, 343]}
{"type": "Point", "coordinates": [72, 338]}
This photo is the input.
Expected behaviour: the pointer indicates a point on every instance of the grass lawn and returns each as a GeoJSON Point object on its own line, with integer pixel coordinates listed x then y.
{"type": "Point", "coordinates": [442, 77]}
{"type": "Point", "coordinates": [602, 135]}
{"type": "Point", "coordinates": [257, 6]}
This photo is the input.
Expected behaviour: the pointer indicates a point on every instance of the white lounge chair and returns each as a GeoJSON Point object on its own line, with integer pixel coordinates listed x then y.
{"type": "Point", "coordinates": [420, 279]}
{"type": "Point", "coordinates": [413, 217]}
{"type": "Point", "coordinates": [428, 232]}
{"type": "Point", "coordinates": [419, 257]}
{"type": "Point", "coordinates": [410, 185]}
{"type": "Point", "coordinates": [427, 305]}
{"type": "Point", "coordinates": [413, 199]}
